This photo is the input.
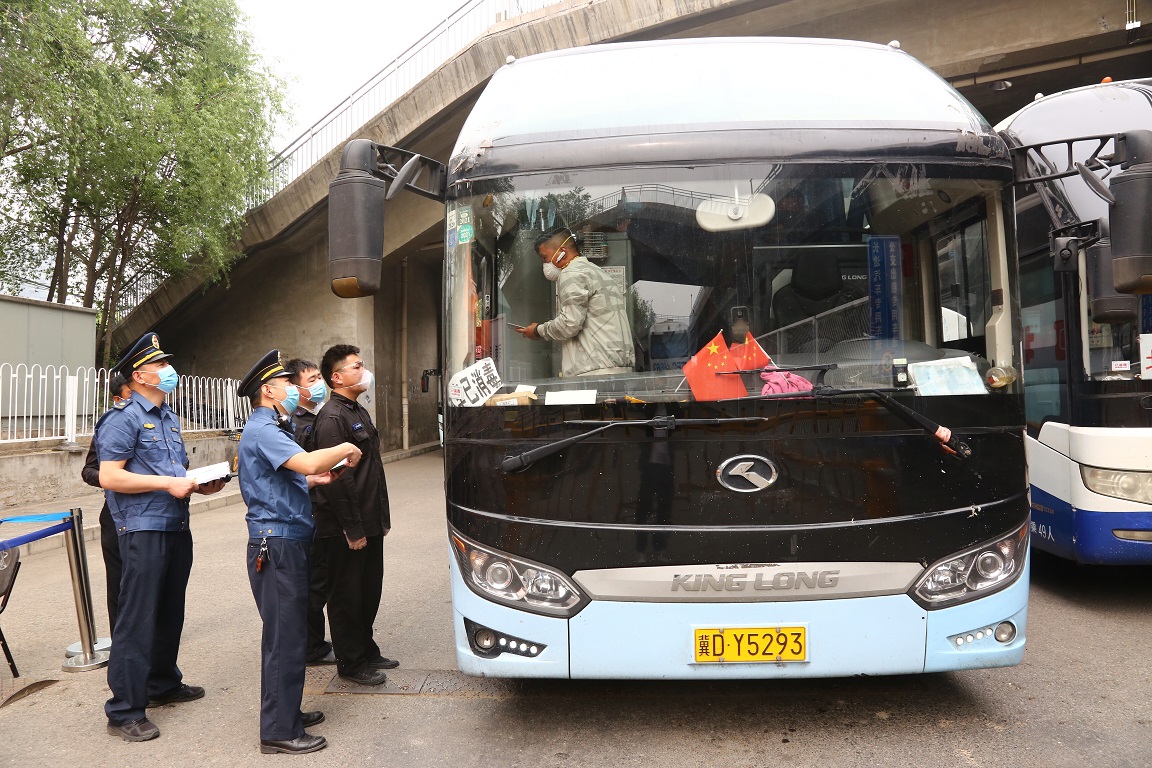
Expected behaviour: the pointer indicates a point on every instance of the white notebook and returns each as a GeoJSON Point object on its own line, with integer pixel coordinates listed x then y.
{"type": "Point", "coordinates": [209, 473]}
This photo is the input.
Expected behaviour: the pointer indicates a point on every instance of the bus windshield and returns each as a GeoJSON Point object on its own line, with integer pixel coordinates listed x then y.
{"type": "Point", "coordinates": [866, 266]}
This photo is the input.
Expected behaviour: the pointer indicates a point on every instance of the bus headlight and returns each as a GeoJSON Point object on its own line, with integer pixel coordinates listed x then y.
{"type": "Point", "coordinates": [973, 573]}
{"type": "Point", "coordinates": [515, 582]}
{"type": "Point", "coordinates": [1133, 486]}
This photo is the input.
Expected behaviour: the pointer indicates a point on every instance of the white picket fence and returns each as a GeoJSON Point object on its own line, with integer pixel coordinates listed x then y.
{"type": "Point", "coordinates": [45, 402]}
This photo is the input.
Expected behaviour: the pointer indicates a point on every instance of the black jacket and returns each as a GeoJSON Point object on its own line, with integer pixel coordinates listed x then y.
{"type": "Point", "coordinates": [304, 421]}
{"type": "Point", "coordinates": [356, 504]}
{"type": "Point", "coordinates": [90, 472]}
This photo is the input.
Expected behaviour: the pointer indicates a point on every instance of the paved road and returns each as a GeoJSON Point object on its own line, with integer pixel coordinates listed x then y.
{"type": "Point", "coordinates": [1083, 696]}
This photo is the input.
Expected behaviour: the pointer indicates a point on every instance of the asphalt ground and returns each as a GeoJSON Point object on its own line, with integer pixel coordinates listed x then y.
{"type": "Point", "coordinates": [1083, 696]}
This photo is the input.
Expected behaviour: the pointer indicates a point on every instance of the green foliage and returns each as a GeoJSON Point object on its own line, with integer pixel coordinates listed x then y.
{"type": "Point", "coordinates": [131, 132]}
{"type": "Point", "coordinates": [642, 314]}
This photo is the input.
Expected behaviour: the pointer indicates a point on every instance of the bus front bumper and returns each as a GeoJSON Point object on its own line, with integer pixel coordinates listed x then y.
{"type": "Point", "coordinates": [885, 635]}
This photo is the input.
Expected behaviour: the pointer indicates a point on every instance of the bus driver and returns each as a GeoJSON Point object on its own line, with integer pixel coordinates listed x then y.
{"type": "Point", "coordinates": [592, 324]}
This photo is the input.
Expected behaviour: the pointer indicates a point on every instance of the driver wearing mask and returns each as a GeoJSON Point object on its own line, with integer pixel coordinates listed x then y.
{"type": "Point", "coordinates": [592, 324]}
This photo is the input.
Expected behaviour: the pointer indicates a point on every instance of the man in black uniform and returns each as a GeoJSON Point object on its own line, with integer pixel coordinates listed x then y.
{"type": "Point", "coordinates": [305, 375]}
{"type": "Point", "coordinates": [109, 541]}
{"type": "Point", "coordinates": [352, 519]}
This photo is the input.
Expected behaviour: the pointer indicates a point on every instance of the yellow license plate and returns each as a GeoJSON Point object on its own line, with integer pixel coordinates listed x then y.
{"type": "Point", "coordinates": [745, 644]}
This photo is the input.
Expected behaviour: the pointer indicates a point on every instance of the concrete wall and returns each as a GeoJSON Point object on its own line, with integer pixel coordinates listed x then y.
{"type": "Point", "coordinates": [41, 476]}
{"type": "Point", "coordinates": [422, 282]}
{"type": "Point", "coordinates": [43, 333]}
{"type": "Point", "coordinates": [274, 300]}
{"type": "Point", "coordinates": [280, 298]}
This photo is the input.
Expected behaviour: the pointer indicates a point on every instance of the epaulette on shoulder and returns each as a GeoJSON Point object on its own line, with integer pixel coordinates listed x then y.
{"type": "Point", "coordinates": [120, 404]}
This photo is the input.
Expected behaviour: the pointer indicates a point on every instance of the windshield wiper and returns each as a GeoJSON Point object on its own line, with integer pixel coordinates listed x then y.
{"type": "Point", "coordinates": [522, 460]}
{"type": "Point", "coordinates": [948, 441]}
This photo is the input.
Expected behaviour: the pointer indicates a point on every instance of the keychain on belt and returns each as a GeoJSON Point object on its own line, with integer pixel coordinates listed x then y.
{"type": "Point", "coordinates": [262, 555]}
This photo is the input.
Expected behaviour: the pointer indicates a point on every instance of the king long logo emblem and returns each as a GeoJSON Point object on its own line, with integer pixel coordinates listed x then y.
{"type": "Point", "coordinates": [747, 473]}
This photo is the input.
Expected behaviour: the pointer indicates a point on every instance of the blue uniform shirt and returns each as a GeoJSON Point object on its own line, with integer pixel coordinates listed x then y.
{"type": "Point", "coordinates": [148, 438]}
{"type": "Point", "coordinates": [277, 497]}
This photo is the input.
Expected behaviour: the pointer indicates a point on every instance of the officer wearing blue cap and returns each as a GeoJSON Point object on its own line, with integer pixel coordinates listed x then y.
{"type": "Point", "coordinates": [143, 466]}
{"type": "Point", "coordinates": [275, 475]}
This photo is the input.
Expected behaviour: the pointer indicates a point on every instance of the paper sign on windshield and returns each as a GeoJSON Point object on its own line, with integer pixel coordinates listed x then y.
{"type": "Point", "coordinates": [475, 384]}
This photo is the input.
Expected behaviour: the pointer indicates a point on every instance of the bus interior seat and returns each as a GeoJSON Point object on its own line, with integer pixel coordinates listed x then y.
{"type": "Point", "coordinates": [816, 286]}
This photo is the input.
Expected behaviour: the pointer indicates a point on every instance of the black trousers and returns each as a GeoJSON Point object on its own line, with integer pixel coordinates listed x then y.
{"type": "Point", "coordinates": [355, 582]}
{"type": "Point", "coordinates": [318, 647]}
{"type": "Point", "coordinates": [110, 548]}
{"type": "Point", "coordinates": [281, 591]}
{"type": "Point", "coordinates": [146, 640]}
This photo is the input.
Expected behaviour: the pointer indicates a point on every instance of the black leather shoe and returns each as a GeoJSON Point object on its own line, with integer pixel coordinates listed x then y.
{"type": "Point", "coordinates": [366, 676]}
{"type": "Point", "coordinates": [298, 746]}
{"type": "Point", "coordinates": [177, 695]}
{"type": "Point", "coordinates": [328, 658]}
{"type": "Point", "coordinates": [311, 718]}
{"type": "Point", "coordinates": [137, 730]}
{"type": "Point", "coordinates": [383, 663]}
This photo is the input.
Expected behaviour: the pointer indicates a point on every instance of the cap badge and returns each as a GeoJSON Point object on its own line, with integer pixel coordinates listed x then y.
{"type": "Point", "coordinates": [155, 342]}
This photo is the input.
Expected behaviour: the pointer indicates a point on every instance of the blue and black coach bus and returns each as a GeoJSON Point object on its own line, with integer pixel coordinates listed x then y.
{"type": "Point", "coordinates": [1087, 331]}
{"type": "Point", "coordinates": [833, 205]}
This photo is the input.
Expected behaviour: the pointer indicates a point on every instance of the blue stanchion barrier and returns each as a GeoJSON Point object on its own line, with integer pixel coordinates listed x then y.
{"type": "Point", "coordinates": [43, 518]}
{"type": "Point", "coordinates": [43, 533]}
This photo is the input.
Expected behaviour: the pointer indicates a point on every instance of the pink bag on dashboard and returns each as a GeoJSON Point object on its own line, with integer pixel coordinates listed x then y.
{"type": "Point", "coordinates": [778, 382]}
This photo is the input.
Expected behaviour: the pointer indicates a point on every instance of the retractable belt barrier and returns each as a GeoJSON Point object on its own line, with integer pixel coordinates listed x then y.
{"type": "Point", "coordinates": [71, 524]}
{"type": "Point", "coordinates": [43, 533]}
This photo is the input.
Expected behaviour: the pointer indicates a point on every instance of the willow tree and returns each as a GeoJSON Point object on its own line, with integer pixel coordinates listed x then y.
{"type": "Point", "coordinates": [132, 134]}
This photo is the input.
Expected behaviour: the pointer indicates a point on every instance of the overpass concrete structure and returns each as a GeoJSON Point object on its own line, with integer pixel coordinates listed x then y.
{"type": "Point", "coordinates": [999, 55]}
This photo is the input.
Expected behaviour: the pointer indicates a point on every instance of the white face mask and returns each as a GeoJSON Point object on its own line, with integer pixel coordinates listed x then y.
{"type": "Point", "coordinates": [551, 272]}
{"type": "Point", "coordinates": [365, 381]}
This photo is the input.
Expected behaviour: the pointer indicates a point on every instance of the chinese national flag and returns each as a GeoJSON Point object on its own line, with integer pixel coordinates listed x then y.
{"type": "Point", "coordinates": [703, 369]}
{"type": "Point", "coordinates": [749, 356]}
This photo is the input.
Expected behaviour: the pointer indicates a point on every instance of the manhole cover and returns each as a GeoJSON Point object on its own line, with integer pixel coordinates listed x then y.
{"type": "Point", "coordinates": [400, 681]}
{"type": "Point", "coordinates": [439, 682]}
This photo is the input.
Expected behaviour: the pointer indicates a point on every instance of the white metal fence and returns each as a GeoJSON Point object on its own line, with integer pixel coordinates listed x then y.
{"type": "Point", "coordinates": [45, 402]}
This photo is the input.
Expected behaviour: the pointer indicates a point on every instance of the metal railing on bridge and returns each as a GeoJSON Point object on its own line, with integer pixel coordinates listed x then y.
{"type": "Point", "coordinates": [53, 402]}
{"type": "Point", "coordinates": [452, 35]}
{"type": "Point", "coordinates": [449, 37]}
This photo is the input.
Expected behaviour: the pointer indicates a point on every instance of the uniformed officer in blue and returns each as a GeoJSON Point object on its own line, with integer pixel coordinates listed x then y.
{"type": "Point", "coordinates": [143, 465]}
{"type": "Point", "coordinates": [275, 475]}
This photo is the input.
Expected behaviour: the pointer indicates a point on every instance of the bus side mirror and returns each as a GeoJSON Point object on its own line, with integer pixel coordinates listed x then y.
{"type": "Point", "coordinates": [1107, 304]}
{"type": "Point", "coordinates": [356, 223]}
{"type": "Point", "coordinates": [1128, 216]}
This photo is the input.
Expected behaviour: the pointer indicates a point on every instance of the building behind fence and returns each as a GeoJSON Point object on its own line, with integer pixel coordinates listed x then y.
{"type": "Point", "coordinates": [42, 402]}
{"type": "Point", "coordinates": [43, 332]}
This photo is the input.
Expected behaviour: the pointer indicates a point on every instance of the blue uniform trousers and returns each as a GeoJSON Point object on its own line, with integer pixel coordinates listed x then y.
{"type": "Point", "coordinates": [281, 592]}
{"type": "Point", "coordinates": [146, 638]}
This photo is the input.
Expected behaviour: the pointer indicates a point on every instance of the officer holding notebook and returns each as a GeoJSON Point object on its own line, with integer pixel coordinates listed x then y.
{"type": "Point", "coordinates": [143, 465]}
{"type": "Point", "coordinates": [275, 475]}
